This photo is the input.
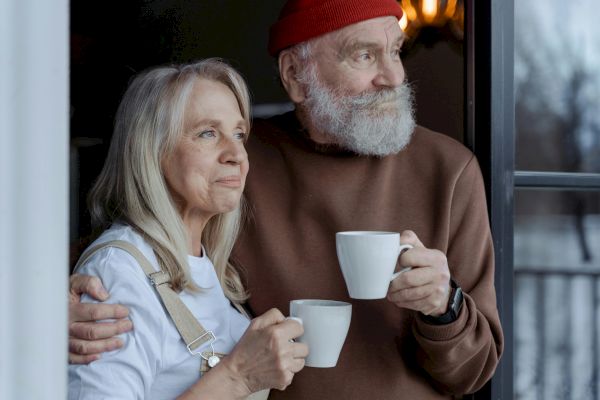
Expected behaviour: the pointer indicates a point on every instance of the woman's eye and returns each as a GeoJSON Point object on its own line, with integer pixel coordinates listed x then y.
{"type": "Point", "coordinates": [207, 134]}
{"type": "Point", "coordinates": [241, 135]}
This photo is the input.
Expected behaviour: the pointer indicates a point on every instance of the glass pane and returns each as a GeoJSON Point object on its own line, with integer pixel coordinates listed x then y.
{"type": "Point", "coordinates": [557, 302]}
{"type": "Point", "coordinates": [557, 85]}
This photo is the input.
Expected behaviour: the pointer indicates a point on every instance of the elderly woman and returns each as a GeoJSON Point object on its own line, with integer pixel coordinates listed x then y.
{"type": "Point", "coordinates": [171, 187]}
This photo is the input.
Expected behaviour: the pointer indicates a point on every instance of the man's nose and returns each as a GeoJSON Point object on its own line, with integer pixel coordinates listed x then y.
{"type": "Point", "coordinates": [390, 73]}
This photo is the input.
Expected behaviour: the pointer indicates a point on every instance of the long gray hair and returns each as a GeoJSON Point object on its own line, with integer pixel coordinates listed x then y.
{"type": "Point", "coordinates": [132, 187]}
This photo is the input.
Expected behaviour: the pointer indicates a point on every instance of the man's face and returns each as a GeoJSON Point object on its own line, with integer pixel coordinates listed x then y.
{"type": "Point", "coordinates": [355, 94]}
{"type": "Point", "coordinates": [362, 57]}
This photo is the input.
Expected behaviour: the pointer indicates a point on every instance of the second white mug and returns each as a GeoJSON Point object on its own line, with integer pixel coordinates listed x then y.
{"type": "Point", "coordinates": [326, 324]}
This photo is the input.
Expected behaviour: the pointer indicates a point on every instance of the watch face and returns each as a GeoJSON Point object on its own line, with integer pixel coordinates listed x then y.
{"type": "Point", "coordinates": [457, 301]}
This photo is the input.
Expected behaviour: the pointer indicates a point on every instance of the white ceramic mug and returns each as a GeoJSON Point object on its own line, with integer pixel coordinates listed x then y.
{"type": "Point", "coordinates": [368, 260]}
{"type": "Point", "coordinates": [326, 324]}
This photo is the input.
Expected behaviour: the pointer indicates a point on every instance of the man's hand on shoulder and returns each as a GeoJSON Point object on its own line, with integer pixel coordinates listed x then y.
{"type": "Point", "coordinates": [88, 338]}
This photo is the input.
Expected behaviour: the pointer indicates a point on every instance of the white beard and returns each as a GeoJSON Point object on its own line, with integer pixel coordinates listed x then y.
{"type": "Point", "coordinates": [374, 124]}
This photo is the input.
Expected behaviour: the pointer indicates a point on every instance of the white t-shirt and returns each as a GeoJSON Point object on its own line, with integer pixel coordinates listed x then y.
{"type": "Point", "coordinates": [154, 362]}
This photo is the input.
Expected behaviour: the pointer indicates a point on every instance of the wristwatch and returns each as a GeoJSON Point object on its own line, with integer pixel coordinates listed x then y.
{"type": "Point", "coordinates": [455, 303]}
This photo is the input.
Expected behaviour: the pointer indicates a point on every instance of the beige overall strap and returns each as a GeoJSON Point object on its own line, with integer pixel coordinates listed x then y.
{"type": "Point", "coordinates": [192, 333]}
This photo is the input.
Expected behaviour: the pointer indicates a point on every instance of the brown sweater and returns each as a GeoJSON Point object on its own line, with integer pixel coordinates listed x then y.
{"type": "Point", "coordinates": [301, 195]}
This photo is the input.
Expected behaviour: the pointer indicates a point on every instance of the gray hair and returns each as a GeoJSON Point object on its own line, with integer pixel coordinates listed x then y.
{"type": "Point", "coordinates": [303, 50]}
{"type": "Point", "coordinates": [132, 188]}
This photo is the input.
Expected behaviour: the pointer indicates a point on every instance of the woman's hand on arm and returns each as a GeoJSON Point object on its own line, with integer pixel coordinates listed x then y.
{"type": "Point", "coordinates": [265, 358]}
{"type": "Point", "coordinates": [88, 338]}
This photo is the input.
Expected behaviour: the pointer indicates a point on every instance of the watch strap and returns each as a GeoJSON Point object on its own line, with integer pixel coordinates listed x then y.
{"type": "Point", "coordinates": [455, 303]}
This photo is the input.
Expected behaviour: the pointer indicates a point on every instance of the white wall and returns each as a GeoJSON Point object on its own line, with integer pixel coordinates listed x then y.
{"type": "Point", "coordinates": [33, 198]}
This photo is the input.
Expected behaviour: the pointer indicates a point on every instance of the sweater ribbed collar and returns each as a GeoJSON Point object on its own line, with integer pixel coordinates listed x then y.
{"type": "Point", "coordinates": [290, 124]}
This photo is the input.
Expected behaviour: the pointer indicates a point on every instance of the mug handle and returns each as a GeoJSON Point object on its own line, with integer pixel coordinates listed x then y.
{"type": "Point", "coordinates": [298, 320]}
{"type": "Point", "coordinates": [403, 248]}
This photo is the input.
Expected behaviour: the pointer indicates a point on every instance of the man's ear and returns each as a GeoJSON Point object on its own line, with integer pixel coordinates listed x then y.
{"type": "Point", "coordinates": [288, 67]}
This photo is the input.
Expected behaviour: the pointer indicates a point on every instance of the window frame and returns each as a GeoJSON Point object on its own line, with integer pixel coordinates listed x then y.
{"type": "Point", "coordinates": [490, 134]}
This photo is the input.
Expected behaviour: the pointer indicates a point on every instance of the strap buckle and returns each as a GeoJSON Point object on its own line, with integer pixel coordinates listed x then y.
{"type": "Point", "coordinates": [211, 360]}
{"type": "Point", "coordinates": [159, 278]}
{"type": "Point", "coordinates": [199, 338]}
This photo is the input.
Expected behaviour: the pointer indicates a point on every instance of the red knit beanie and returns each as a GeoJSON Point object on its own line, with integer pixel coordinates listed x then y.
{"type": "Point", "coordinates": [301, 20]}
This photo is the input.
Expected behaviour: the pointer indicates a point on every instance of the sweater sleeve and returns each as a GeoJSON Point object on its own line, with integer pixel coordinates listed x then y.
{"type": "Point", "coordinates": [461, 357]}
{"type": "Point", "coordinates": [126, 373]}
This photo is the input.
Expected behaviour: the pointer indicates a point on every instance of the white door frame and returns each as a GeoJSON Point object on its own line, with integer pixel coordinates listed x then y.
{"type": "Point", "coordinates": [34, 139]}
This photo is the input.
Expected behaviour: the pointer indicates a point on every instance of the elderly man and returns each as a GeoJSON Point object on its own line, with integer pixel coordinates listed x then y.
{"type": "Point", "coordinates": [351, 158]}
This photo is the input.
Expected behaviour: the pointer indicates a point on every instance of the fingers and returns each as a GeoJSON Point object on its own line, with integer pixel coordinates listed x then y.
{"type": "Point", "coordinates": [286, 380]}
{"type": "Point", "coordinates": [426, 287]}
{"type": "Point", "coordinates": [430, 306]}
{"type": "Point", "coordinates": [428, 299]}
{"type": "Point", "coordinates": [422, 257]}
{"type": "Point", "coordinates": [271, 317]}
{"type": "Point", "coordinates": [297, 365]}
{"type": "Point", "coordinates": [90, 285]}
{"type": "Point", "coordinates": [264, 357]}
{"type": "Point", "coordinates": [299, 350]}
{"type": "Point", "coordinates": [428, 266]}
{"type": "Point", "coordinates": [79, 359]}
{"type": "Point", "coordinates": [95, 312]}
{"type": "Point", "coordinates": [412, 294]}
{"type": "Point", "coordinates": [97, 331]}
{"type": "Point", "coordinates": [291, 329]}
{"type": "Point", "coordinates": [78, 347]}
{"type": "Point", "coordinates": [409, 237]}
{"type": "Point", "coordinates": [281, 328]}
{"type": "Point", "coordinates": [87, 338]}
{"type": "Point", "coordinates": [421, 276]}
{"type": "Point", "coordinates": [292, 360]}
{"type": "Point", "coordinates": [293, 366]}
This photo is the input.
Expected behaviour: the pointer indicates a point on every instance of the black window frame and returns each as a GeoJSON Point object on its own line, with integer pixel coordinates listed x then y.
{"type": "Point", "coordinates": [490, 133]}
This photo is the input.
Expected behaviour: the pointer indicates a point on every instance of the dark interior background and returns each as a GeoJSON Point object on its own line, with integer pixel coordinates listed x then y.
{"type": "Point", "coordinates": [112, 40]}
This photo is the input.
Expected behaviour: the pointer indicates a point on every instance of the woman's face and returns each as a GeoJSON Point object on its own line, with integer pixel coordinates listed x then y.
{"type": "Point", "coordinates": [207, 170]}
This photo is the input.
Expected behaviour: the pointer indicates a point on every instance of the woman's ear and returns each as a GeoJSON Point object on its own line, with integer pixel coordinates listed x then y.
{"type": "Point", "coordinates": [288, 67]}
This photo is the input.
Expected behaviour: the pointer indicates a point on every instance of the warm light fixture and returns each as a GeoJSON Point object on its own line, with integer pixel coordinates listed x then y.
{"type": "Point", "coordinates": [437, 13]}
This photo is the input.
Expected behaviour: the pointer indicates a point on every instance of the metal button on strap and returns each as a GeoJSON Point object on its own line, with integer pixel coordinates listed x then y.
{"type": "Point", "coordinates": [213, 360]}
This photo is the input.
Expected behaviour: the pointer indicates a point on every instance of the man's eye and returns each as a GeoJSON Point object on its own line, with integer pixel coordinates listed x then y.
{"type": "Point", "coordinates": [396, 54]}
{"type": "Point", "coordinates": [365, 57]}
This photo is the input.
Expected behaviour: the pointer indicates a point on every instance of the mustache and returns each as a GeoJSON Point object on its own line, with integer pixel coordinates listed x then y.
{"type": "Point", "coordinates": [374, 99]}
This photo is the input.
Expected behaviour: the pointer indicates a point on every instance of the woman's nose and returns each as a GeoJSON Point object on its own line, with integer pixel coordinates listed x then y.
{"type": "Point", "coordinates": [234, 152]}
